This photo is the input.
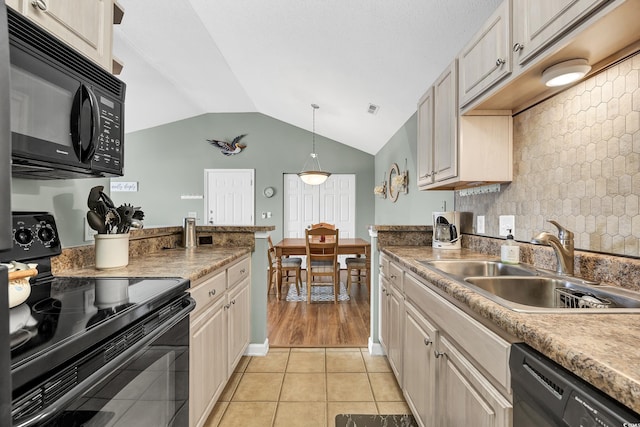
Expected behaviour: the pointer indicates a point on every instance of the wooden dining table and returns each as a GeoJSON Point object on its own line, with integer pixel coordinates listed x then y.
{"type": "Point", "coordinates": [297, 246]}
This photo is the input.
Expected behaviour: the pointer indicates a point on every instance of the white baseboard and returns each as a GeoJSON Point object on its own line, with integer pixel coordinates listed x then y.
{"type": "Point", "coordinates": [375, 349]}
{"type": "Point", "coordinates": [258, 349]}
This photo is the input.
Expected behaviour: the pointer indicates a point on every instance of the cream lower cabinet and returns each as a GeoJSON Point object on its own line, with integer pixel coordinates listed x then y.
{"type": "Point", "coordinates": [219, 334]}
{"type": "Point", "coordinates": [391, 315]}
{"type": "Point", "coordinates": [419, 379]}
{"type": "Point", "coordinates": [464, 396]}
{"type": "Point", "coordinates": [456, 371]}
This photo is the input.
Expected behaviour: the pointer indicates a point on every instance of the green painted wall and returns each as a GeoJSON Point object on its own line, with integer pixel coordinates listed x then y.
{"type": "Point", "coordinates": [415, 207]}
{"type": "Point", "coordinates": [170, 160]}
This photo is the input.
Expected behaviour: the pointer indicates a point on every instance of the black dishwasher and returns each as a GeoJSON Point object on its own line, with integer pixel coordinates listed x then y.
{"type": "Point", "coordinates": [546, 394]}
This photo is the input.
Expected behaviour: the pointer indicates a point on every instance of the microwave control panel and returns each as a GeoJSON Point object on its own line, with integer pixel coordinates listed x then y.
{"type": "Point", "coordinates": [109, 151]}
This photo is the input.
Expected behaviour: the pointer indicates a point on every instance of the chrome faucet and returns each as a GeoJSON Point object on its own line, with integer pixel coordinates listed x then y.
{"type": "Point", "coordinates": [562, 246]}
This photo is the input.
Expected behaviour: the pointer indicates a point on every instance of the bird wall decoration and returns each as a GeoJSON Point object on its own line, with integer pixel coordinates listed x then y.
{"type": "Point", "coordinates": [229, 148]}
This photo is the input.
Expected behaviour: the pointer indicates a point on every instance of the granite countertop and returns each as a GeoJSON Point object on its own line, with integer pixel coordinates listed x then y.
{"type": "Point", "coordinates": [191, 263]}
{"type": "Point", "coordinates": [600, 348]}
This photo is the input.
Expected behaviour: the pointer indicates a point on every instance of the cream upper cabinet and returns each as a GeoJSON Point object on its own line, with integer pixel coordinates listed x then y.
{"type": "Point", "coordinates": [445, 124]}
{"type": "Point", "coordinates": [465, 150]}
{"type": "Point", "coordinates": [425, 140]}
{"type": "Point", "coordinates": [486, 59]}
{"type": "Point", "coordinates": [536, 23]}
{"type": "Point", "coordinates": [86, 25]}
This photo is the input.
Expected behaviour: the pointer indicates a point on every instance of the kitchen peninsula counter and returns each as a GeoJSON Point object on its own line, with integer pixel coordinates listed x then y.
{"type": "Point", "coordinates": [600, 348]}
{"type": "Point", "coordinates": [191, 264]}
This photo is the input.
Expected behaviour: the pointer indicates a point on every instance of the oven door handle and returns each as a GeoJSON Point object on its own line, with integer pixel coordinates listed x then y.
{"type": "Point", "coordinates": [60, 404]}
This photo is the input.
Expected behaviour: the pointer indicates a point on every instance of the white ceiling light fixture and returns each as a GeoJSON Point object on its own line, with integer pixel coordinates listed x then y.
{"type": "Point", "coordinates": [565, 72]}
{"type": "Point", "coordinates": [312, 173]}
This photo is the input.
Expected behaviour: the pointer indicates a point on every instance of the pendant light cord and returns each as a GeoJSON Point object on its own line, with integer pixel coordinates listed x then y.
{"type": "Point", "coordinates": [313, 134]}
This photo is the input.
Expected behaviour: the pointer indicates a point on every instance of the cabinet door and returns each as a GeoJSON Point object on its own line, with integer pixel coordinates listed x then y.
{"type": "Point", "coordinates": [383, 316]}
{"type": "Point", "coordinates": [86, 25]}
{"type": "Point", "coordinates": [536, 23]}
{"type": "Point", "coordinates": [425, 139]}
{"type": "Point", "coordinates": [465, 397]}
{"type": "Point", "coordinates": [445, 124]}
{"type": "Point", "coordinates": [396, 332]}
{"type": "Point", "coordinates": [487, 57]}
{"type": "Point", "coordinates": [208, 361]}
{"type": "Point", "coordinates": [239, 316]}
{"type": "Point", "coordinates": [418, 366]}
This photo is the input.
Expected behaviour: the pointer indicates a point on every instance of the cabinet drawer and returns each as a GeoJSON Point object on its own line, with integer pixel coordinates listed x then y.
{"type": "Point", "coordinates": [490, 352]}
{"type": "Point", "coordinates": [208, 291]}
{"type": "Point", "coordinates": [395, 276]}
{"type": "Point", "coordinates": [238, 271]}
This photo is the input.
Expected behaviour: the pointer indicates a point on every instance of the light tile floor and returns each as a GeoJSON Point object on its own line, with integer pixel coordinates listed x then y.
{"type": "Point", "coordinates": [307, 387]}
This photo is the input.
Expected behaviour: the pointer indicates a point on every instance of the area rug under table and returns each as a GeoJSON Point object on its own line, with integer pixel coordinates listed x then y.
{"type": "Point", "coordinates": [354, 420]}
{"type": "Point", "coordinates": [318, 293]}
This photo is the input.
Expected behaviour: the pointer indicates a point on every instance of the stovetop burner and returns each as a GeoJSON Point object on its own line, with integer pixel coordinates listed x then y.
{"type": "Point", "coordinates": [66, 316]}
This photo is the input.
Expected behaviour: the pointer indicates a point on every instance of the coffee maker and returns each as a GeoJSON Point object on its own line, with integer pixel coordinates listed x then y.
{"type": "Point", "coordinates": [447, 230]}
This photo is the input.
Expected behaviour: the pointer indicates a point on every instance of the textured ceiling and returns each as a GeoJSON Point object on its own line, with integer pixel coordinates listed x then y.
{"type": "Point", "coordinates": [189, 57]}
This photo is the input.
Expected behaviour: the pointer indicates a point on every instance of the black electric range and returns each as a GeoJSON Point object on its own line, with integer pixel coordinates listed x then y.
{"type": "Point", "coordinates": [65, 317]}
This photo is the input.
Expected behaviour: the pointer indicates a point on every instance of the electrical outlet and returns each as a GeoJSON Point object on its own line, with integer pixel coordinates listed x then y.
{"type": "Point", "coordinates": [88, 232]}
{"type": "Point", "coordinates": [507, 222]}
{"type": "Point", "coordinates": [480, 224]}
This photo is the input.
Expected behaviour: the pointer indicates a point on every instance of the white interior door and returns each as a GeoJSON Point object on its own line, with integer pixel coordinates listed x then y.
{"type": "Point", "coordinates": [333, 202]}
{"type": "Point", "coordinates": [229, 196]}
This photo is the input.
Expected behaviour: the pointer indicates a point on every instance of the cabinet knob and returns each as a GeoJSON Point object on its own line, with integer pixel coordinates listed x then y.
{"type": "Point", "coordinates": [233, 301]}
{"type": "Point", "coordinates": [212, 293]}
{"type": "Point", "coordinates": [427, 341]}
{"type": "Point", "coordinates": [39, 4]}
{"type": "Point", "coordinates": [439, 354]}
{"type": "Point", "coordinates": [227, 306]}
{"type": "Point", "coordinates": [518, 47]}
{"type": "Point", "coordinates": [500, 61]}
{"type": "Point", "coordinates": [243, 271]}
{"type": "Point", "coordinates": [393, 276]}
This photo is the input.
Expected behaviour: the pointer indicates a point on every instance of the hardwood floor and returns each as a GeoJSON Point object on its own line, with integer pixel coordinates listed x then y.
{"type": "Point", "coordinates": [298, 324]}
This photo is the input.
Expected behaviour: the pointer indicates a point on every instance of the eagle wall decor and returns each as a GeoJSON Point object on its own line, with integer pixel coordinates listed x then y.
{"type": "Point", "coordinates": [229, 148]}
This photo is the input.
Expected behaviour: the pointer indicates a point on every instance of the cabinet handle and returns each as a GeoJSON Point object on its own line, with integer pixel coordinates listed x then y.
{"type": "Point", "coordinates": [439, 354]}
{"type": "Point", "coordinates": [233, 301]}
{"type": "Point", "coordinates": [227, 306]}
{"type": "Point", "coordinates": [427, 341]}
{"type": "Point", "coordinates": [243, 271]}
{"type": "Point", "coordinates": [39, 4]}
{"type": "Point", "coordinates": [212, 293]}
{"type": "Point", "coordinates": [393, 276]}
{"type": "Point", "coordinates": [518, 47]}
{"type": "Point", "coordinates": [500, 62]}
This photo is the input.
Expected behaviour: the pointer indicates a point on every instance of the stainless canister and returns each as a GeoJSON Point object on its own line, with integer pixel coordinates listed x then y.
{"type": "Point", "coordinates": [189, 233]}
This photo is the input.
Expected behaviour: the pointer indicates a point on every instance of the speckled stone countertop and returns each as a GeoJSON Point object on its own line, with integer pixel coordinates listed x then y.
{"type": "Point", "coordinates": [191, 263]}
{"type": "Point", "coordinates": [600, 348]}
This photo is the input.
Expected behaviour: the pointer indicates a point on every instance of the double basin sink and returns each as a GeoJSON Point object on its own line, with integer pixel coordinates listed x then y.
{"type": "Point", "coordinates": [526, 289]}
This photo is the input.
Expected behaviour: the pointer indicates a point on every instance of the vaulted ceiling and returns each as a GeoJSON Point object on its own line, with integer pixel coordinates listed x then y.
{"type": "Point", "coordinates": [188, 57]}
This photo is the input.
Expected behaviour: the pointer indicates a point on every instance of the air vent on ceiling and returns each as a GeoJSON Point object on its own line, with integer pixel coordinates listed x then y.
{"type": "Point", "coordinates": [373, 109]}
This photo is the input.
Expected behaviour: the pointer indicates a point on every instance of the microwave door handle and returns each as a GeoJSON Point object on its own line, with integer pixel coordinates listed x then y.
{"type": "Point", "coordinates": [84, 145]}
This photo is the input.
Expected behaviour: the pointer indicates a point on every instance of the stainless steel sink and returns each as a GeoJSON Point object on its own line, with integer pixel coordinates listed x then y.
{"type": "Point", "coordinates": [526, 289]}
{"type": "Point", "coordinates": [553, 294]}
{"type": "Point", "coordinates": [464, 268]}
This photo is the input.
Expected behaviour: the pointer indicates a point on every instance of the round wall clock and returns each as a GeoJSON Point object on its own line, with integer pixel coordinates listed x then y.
{"type": "Point", "coordinates": [269, 192]}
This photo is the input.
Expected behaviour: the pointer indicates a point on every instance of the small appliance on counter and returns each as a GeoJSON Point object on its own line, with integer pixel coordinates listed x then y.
{"type": "Point", "coordinates": [448, 228]}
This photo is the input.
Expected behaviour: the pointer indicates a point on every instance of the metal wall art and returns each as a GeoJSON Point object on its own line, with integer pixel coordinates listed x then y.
{"type": "Point", "coordinates": [229, 148]}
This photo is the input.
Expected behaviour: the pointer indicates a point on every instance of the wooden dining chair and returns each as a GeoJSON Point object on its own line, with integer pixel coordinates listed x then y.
{"type": "Point", "coordinates": [357, 272]}
{"type": "Point", "coordinates": [322, 259]}
{"type": "Point", "coordinates": [289, 264]}
{"type": "Point", "coordinates": [323, 224]}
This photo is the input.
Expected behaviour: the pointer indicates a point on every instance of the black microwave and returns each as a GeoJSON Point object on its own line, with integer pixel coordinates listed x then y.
{"type": "Point", "coordinates": [66, 111]}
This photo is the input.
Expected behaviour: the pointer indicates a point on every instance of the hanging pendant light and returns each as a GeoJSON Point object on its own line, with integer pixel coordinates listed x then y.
{"type": "Point", "coordinates": [312, 173]}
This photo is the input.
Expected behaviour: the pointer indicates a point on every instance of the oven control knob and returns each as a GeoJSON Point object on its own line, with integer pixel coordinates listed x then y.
{"type": "Point", "coordinates": [45, 234]}
{"type": "Point", "coordinates": [23, 236]}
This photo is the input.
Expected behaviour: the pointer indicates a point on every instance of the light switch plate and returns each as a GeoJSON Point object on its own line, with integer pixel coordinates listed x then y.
{"type": "Point", "coordinates": [507, 222]}
{"type": "Point", "coordinates": [480, 224]}
{"type": "Point", "coordinates": [88, 232]}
